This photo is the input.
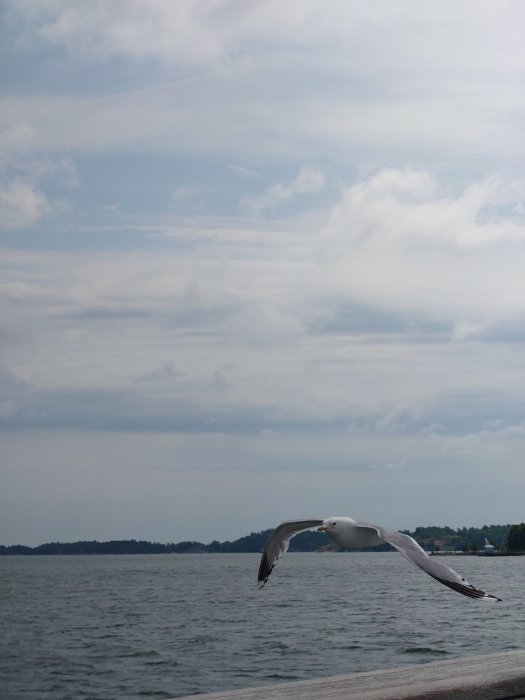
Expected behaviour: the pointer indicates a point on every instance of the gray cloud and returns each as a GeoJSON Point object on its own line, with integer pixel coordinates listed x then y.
{"type": "Point", "coordinates": [170, 400]}
{"type": "Point", "coordinates": [369, 322]}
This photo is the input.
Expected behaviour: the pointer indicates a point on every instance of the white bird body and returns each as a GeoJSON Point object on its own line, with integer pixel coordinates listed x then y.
{"type": "Point", "coordinates": [350, 533]}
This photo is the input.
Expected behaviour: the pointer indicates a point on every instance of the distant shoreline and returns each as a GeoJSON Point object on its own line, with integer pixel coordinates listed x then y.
{"type": "Point", "coordinates": [434, 539]}
{"type": "Point", "coordinates": [502, 553]}
{"type": "Point", "coordinates": [321, 550]}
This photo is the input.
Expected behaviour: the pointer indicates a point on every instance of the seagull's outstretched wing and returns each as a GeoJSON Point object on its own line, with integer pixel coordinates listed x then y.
{"type": "Point", "coordinates": [278, 543]}
{"type": "Point", "coordinates": [410, 549]}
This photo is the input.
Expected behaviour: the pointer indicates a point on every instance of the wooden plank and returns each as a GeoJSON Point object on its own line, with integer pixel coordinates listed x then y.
{"type": "Point", "coordinates": [494, 677]}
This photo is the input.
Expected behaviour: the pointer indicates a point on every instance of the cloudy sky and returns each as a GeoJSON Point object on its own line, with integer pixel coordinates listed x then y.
{"type": "Point", "coordinates": [260, 261]}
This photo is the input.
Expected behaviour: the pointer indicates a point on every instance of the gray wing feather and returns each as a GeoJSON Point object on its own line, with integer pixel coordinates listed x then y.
{"type": "Point", "coordinates": [410, 549]}
{"type": "Point", "coordinates": [278, 544]}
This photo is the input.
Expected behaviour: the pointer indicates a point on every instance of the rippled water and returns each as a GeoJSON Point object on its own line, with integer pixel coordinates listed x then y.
{"type": "Point", "coordinates": [159, 626]}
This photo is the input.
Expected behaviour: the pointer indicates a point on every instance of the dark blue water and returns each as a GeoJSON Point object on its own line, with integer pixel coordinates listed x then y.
{"type": "Point", "coordinates": [161, 626]}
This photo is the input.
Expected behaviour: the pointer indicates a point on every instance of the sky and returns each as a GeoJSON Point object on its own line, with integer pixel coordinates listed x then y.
{"type": "Point", "coordinates": [260, 261]}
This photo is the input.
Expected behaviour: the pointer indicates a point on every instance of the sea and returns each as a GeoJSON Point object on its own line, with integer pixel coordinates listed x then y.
{"type": "Point", "coordinates": [163, 626]}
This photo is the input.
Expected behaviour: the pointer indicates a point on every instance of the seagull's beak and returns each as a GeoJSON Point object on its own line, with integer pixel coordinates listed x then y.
{"type": "Point", "coordinates": [322, 528]}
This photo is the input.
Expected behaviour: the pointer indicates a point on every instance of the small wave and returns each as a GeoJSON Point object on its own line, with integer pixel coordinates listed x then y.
{"type": "Point", "coordinates": [424, 650]}
{"type": "Point", "coordinates": [282, 677]}
{"type": "Point", "coordinates": [162, 662]}
{"type": "Point", "coordinates": [202, 640]}
{"type": "Point", "coordinates": [139, 653]}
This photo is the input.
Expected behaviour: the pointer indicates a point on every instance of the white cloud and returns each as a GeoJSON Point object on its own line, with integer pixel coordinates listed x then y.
{"type": "Point", "coordinates": [21, 205]}
{"type": "Point", "coordinates": [242, 172]}
{"type": "Point", "coordinates": [405, 207]}
{"type": "Point", "coordinates": [16, 139]}
{"type": "Point", "coordinates": [300, 81]}
{"type": "Point", "coordinates": [466, 329]}
{"type": "Point", "coordinates": [496, 441]}
{"type": "Point", "coordinates": [26, 171]}
{"type": "Point", "coordinates": [308, 181]}
{"type": "Point", "coordinates": [179, 195]}
{"type": "Point", "coordinates": [184, 195]}
{"type": "Point", "coordinates": [400, 417]}
{"type": "Point", "coordinates": [133, 29]}
{"type": "Point", "coordinates": [191, 32]}
{"type": "Point", "coordinates": [397, 241]}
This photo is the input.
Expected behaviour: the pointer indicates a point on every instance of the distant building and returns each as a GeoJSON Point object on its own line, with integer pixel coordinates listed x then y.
{"type": "Point", "coordinates": [488, 548]}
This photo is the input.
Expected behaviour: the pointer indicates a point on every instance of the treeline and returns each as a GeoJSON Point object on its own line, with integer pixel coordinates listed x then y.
{"type": "Point", "coordinates": [503, 537]}
{"type": "Point", "coordinates": [90, 547]}
{"type": "Point", "coordinates": [516, 538]}
{"type": "Point", "coordinates": [251, 543]}
{"type": "Point", "coordinates": [465, 539]}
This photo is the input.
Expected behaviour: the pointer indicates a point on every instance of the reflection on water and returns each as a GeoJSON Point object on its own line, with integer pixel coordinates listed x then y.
{"type": "Point", "coordinates": [158, 626]}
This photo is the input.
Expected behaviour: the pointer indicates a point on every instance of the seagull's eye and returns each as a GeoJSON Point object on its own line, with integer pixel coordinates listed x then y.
{"type": "Point", "coordinates": [333, 524]}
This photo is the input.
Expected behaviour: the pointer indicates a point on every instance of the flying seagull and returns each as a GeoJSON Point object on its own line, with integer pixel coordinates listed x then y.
{"type": "Point", "coordinates": [350, 533]}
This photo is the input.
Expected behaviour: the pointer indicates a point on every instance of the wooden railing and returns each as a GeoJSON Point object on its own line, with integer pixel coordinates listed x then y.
{"type": "Point", "coordinates": [493, 677]}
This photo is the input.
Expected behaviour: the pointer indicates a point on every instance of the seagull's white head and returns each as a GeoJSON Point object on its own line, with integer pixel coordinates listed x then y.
{"type": "Point", "coordinates": [330, 525]}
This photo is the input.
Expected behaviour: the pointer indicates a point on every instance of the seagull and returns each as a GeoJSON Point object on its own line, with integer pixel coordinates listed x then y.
{"type": "Point", "coordinates": [350, 533]}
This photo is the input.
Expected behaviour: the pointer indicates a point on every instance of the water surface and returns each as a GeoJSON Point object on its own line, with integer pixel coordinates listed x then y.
{"type": "Point", "coordinates": [159, 626]}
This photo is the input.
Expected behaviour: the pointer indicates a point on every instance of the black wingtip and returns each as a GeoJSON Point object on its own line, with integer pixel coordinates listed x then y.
{"type": "Point", "coordinates": [468, 590]}
{"type": "Point", "coordinates": [264, 570]}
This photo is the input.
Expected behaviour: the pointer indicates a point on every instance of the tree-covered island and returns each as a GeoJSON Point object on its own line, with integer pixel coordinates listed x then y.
{"type": "Point", "coordinates": [509, 538]}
